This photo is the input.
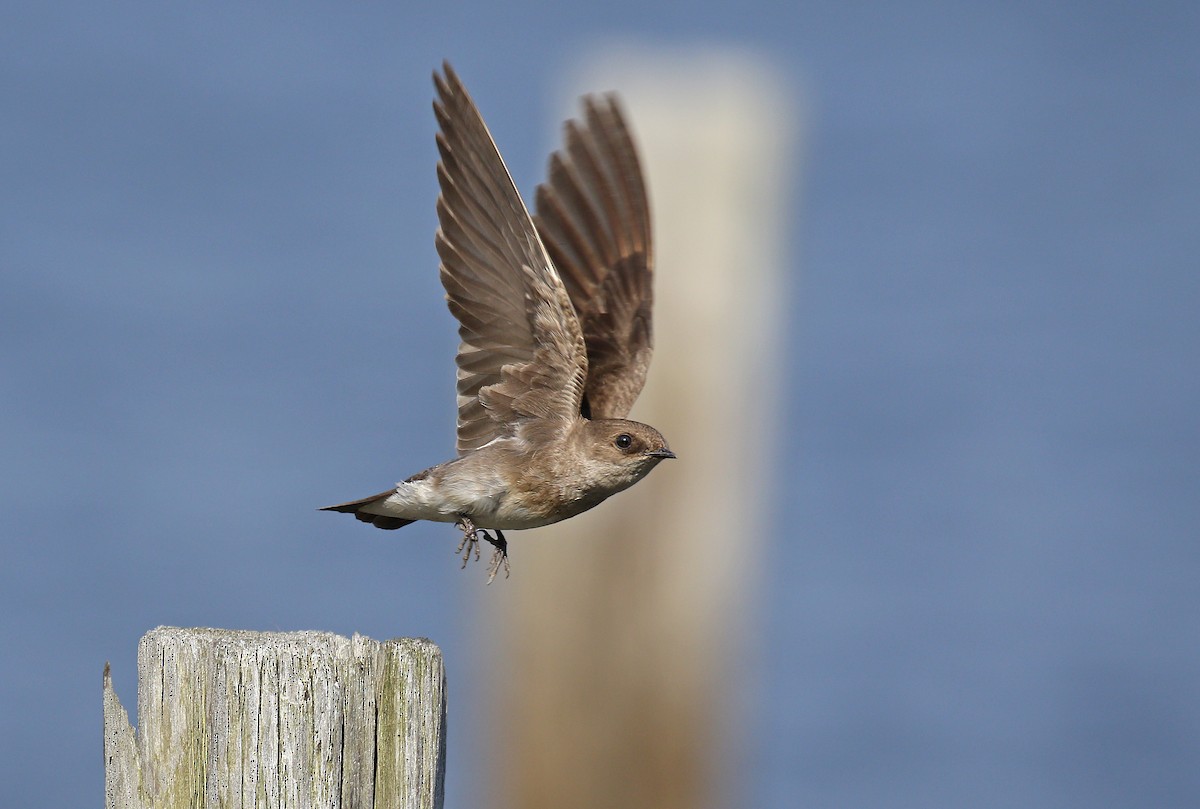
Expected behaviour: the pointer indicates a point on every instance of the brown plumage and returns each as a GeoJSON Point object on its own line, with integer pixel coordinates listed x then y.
{"type": "Point", "coordinates": [555, 330]}
{"type": "Point", "coordinates": [594, 219]}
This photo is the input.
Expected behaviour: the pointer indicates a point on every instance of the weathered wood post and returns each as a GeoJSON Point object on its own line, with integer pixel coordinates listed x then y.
{"type": "Point", "coordinates": [278, 719]}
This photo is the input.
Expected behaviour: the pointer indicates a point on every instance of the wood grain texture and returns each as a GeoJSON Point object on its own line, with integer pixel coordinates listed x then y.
{"type": "Point", "coordinates": [261, 719]}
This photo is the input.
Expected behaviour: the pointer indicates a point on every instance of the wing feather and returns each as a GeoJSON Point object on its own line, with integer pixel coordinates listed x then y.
{"type": "Point", "coordinates": [521, 354]}
{"type": "Point", "coordinates": [594, 219]}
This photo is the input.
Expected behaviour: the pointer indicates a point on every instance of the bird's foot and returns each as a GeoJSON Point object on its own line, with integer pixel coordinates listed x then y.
{"type": "Point", "coordinates": [470, 540]}
{"type": "Point", "coordinates": [470, 544]}
{"type": "Point", "coordinates": [499, 555]}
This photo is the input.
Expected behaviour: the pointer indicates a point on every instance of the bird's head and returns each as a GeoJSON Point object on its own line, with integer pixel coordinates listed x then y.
{"type": "Point", "coordinates": [622, 452]}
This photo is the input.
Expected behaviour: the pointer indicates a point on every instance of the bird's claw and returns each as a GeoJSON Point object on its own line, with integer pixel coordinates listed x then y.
{"type": "Point", "coordinates": [470, 543]}
{"type": "Point", "coordinates": [499, 556]}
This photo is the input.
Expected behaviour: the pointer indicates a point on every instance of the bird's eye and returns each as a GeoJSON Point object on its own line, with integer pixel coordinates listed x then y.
{"type": "Point", "coordinates": [623, 441]}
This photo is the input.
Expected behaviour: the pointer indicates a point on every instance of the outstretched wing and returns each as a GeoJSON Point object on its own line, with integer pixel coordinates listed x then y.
{"type": "Point", "coordinates": [522, 353]}
{"type": "Point", "coordinates": [594, 218]}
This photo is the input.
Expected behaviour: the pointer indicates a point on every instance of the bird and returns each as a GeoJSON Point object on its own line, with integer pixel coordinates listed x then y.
{"type": "Point", "coordinates": [555, 330]}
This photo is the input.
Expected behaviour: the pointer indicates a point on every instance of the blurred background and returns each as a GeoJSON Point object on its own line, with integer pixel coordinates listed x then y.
{"type": "Point", "coordinates": [973, 564]}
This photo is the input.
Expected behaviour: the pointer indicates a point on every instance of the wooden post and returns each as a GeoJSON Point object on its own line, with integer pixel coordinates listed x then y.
{"type": "Point", "coordinates": [278, 719]}
{"type": "Point", "coordinates": [628, 627]}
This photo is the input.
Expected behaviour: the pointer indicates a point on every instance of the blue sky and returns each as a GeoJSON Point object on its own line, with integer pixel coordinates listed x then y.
{"type": "Point", "coordinates": [218, 300]}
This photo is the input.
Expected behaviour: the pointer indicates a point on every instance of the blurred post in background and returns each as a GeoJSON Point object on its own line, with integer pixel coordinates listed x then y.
{"type": "Point", "coordinates": [617, 657]}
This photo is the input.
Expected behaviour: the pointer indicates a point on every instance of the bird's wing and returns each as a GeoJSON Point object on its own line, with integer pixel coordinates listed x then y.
{"type": "Point", "coordinates": [522, 354]}
{"type": "Point", "coordinates": [594, 218]}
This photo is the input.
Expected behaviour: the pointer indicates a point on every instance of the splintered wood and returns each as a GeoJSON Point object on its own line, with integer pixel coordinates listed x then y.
{"type": "Point", "coordinates": [289, 719]}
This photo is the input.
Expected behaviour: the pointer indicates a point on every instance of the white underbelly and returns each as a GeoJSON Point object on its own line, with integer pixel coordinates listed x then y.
{"type": "Point", "coordinates": [485, 502]}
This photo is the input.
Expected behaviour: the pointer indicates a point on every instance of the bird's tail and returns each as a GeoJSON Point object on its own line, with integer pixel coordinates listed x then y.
{"type": "Point", "coordinates": [355, 507]}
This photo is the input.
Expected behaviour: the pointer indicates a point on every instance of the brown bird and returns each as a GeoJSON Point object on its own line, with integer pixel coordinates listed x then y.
{"type": "Point", "coordinates": [554, 322]}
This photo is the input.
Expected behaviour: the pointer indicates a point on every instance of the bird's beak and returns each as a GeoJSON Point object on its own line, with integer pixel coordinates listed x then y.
{"type": "Point", "coordinates": [659, 453]}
